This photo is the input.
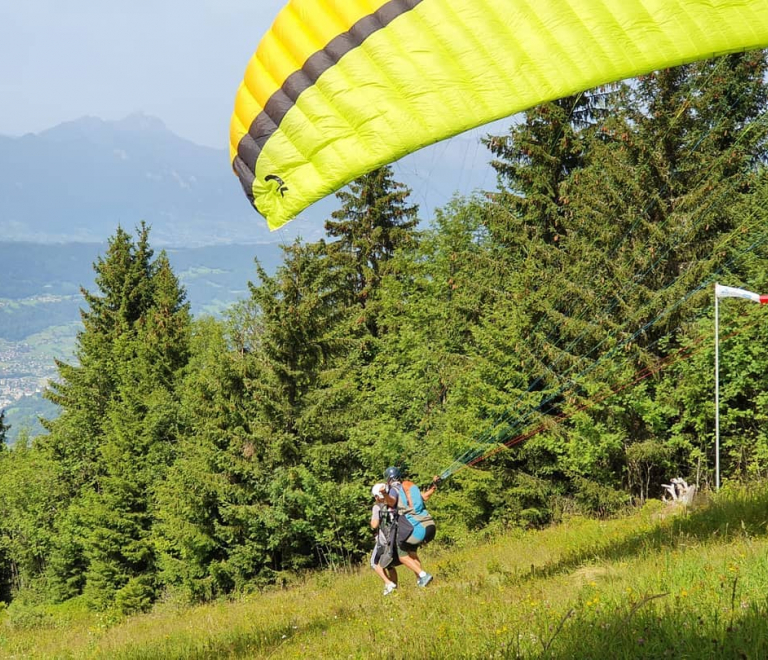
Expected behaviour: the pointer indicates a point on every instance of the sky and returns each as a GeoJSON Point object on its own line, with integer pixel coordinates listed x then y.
{"type": "Point", "coordinates": [181, 61]}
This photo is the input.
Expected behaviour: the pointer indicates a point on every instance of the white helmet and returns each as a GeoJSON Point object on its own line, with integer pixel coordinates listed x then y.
{"type": "Point", "coordinates": [376, 490]}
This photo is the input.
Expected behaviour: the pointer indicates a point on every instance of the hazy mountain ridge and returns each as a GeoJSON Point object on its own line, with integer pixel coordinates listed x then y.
{"type": "Point", "coordinates": [78, 181]}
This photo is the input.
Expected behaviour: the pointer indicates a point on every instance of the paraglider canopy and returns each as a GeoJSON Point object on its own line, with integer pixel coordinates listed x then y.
{"type": "Point", "coordinates": [337, 88]}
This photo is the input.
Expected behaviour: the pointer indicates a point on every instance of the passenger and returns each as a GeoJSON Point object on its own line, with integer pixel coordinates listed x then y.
{"type": "Point", "coordinates": [382, 518]}
{"type": "Point", "coordinates": [415, 525]}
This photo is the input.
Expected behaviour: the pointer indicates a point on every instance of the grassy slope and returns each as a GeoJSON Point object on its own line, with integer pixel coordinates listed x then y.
{"type": "Point", "coordinates": [654, 584]}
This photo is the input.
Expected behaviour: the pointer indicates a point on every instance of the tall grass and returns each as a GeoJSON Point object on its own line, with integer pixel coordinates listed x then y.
{"type": "Point", "coordinates": [657, 583]}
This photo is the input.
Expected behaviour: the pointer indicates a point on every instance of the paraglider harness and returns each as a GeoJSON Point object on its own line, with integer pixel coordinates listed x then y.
{"type": "Point", "coordinates": [388, 526]}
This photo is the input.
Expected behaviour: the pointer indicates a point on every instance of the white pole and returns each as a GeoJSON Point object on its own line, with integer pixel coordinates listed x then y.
{"type": "Point", "coordinates": [717, 392]}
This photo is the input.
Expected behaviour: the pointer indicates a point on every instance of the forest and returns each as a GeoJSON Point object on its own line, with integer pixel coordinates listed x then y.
{"type": "Point", "coordinates": [546, 348]}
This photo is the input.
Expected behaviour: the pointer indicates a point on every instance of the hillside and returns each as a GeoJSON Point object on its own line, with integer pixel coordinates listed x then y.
{"type": "Point", "coordinates": [660, 582]}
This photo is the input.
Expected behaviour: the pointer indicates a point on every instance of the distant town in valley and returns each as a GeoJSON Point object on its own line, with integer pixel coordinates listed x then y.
{"type": "Point", "coordinates": [21, 374]}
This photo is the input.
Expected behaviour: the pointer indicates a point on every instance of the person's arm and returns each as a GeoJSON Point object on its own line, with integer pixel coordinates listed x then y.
{"type": "Point", "coordinates": [428, 493]}
{"type": "Point", "coordinates": [375, 517]}
{"type": "Point", "coordinates": [389, 499]}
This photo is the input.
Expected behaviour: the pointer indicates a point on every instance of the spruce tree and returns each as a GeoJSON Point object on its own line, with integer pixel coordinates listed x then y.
{"type": "Point", "coordinates": [375, 219]}
{"type": "Point", "coordinates": [531, 223]}
{"type": "Point", "coordinates": [237, 505]}
{"type": "Point", "coordinates": [431, 300]}
{"type": "Point", "coordinates": [533, 161]}
{"type": "Point", "coordinates": [209, 533]}
{"type": "Point", "coordinates": [85, 387]}
{"type": "Point", "coordinates": [115, 435]}
{"type": "Point", "coordinates": [530, 227]}
{"type": "Point", "coordinates": [141, 433]}
{"type": "Point", "coordinates": [602, 239]}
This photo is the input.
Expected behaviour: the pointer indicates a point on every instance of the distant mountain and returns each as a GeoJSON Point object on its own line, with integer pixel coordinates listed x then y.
{"type": "Point", "coordinates": [78, 181]}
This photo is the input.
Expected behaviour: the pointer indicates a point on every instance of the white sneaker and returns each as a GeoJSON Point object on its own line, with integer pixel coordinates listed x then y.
{"type": "Point", "coordinates": [389, 588]}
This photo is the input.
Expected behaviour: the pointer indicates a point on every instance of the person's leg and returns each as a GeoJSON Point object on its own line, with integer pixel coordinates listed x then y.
{"type": "Point", "coordinates": [411, 561]}
{"type": "Point", "coordinates": [388, 575]}
{"type": "Point", "coordinates": [381, 572]}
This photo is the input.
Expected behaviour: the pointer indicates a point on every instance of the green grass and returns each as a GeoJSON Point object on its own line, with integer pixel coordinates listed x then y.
{"type": "Point", "coordinates": [660, 582]}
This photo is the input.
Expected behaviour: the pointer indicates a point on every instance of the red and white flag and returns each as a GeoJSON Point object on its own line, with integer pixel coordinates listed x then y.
{"type": "Point", "coordinates": [732, 292]}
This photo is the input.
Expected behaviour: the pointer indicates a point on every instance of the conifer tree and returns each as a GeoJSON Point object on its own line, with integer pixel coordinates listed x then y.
{"type": "Point", "coordinates": [84, 388]}
{"type": "Point", "coordinates": [530, 219]}
{"type": "Point", "coordinates": [603, 243]}
{"type": "Point", "coordinates": [530, 224]}
{"type": "Point", "coordinates": [117, 429]}
{"type": "Point", "coordinates": [374, 220]}
{"type": "Point", "coordinates": [237, 505]}
{"type": "Point", "coordinates": [29, 496]}
{"type": "Point", "coordinates": [83, 391]}
{"type": "Point", "coordinates": [209, 535]}
{"type": "Point", "coordinates": [674, 159]}
{"type": "Point", "coordinates": [532, 163]}
{"type": "Point", "coordinates": [6, 580]}
{"type": "Point", "coordinates": [299, 338]}
{"type": "Point", "coordinates": [296, 313]}
{"type": "Point", "coordinates": [657, 197]}
{"type": "Point", "coordinates": [138, 446]}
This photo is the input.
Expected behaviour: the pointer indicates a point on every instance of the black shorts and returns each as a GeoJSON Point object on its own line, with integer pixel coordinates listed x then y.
{"type": "Point", "coordinates": [429, 534]}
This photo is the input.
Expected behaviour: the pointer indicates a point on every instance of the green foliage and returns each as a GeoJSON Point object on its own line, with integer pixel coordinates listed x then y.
{"type": "Point", "coordinates": [375, 219]}
{"type": "Point", "coordinates": [595, 497]}
{"type": "Point", "coordinates": [647, 462]}
{"type": "Point", "coordinates": [28, 499]}
{"type": "Point", "coordinates": [465, 505]}
{"type": "Point", "coordinates": [116, 434]}
{"type": "Point", "coordinates": [67, 564]}
{"type": "Point", "coordinates": [4, 428]}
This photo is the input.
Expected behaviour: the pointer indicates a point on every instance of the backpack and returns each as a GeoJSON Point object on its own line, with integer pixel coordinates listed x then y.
{"type": "Point", "coordinates": [415, 525]}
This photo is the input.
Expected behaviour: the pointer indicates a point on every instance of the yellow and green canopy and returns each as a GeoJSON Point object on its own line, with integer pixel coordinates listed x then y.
{"type": "Point", "coordinates": [337, 88]}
